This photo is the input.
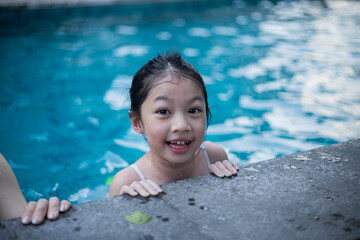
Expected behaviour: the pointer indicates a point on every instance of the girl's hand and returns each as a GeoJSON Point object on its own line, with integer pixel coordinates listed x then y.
{"type": "Point", "coordinates": [145, 188]}
{"type": "Point", "coordinates": [224, 168]}
{"type": "Point", "coordinates": [37, 212]}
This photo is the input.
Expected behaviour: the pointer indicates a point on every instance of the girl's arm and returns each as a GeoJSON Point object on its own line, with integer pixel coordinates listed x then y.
{"type": "Point", "coordinates": [13, 203]}
{"type": "Point", "coordinates": [219, 163]}
{"type": "Point", "coordinates": [127, 181]}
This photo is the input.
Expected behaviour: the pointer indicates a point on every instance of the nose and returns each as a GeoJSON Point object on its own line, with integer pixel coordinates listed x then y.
{"type": "Point", "coordinates": [180, 123]}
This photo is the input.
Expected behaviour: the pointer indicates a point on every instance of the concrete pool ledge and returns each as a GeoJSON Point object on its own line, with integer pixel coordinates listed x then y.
{"type": "Point", "coordinates": [309, 195]}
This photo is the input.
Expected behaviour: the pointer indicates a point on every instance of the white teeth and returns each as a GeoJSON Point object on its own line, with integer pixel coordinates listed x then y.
{"type": "Point", "coordinates": [179, 142]}
{"type": "Point", "coordinates": [178, 147]}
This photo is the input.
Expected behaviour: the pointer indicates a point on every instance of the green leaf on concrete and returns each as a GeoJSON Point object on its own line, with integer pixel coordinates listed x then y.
{"type": "Point", "coordinates": [138, 218]}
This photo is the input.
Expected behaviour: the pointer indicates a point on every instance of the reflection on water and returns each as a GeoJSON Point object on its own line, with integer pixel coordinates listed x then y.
{"type": "Point", "coordinates": [282, 77]}
{"type": "Point", "coordinates": [117, 95]}
{"type": "Point", "coordinates": [313, 58]}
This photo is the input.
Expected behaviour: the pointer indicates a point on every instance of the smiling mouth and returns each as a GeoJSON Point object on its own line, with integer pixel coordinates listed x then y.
{"type": "Point", "coordinates": [178, 144]}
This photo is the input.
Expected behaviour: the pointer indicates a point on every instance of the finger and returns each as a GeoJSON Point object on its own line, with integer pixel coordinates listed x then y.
{"type": "Point", "coordinates": [215, 170]}
{"type": "Point", "coordinates": [149, 187]}
{"type": "Point", "coordinates": [222, 168]}
{"type": "Point", "coordinates": [128, 190]}
{"type": "Point", "coordinates": [65, 206]}
{"type": "Point", "coordinates": [138, 187]}
{"type": "Point", "coordinates": [40, 211]}
{"type": "Point", "coordinates": [30, 209]}
{"type": "Point", "coordinates": [54, 207]}
{"type": "Point", "coordinates": [229, 167]}
{"type": "Point", "coordinates": [156, 186]}
{"type": "Point", "coordinates": [235, 165]}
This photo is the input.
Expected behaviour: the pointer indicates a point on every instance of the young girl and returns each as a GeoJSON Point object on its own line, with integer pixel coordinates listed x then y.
{"type": "Point", "coordinates": [169, 107]}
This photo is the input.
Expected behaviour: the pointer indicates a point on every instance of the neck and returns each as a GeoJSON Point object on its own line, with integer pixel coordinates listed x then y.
{"type": "Point", "coordinates": [167, 172]}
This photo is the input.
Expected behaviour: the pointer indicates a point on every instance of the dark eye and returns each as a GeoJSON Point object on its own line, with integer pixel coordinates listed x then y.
{"type": "Point", "coordinates": [194, 110]}
{"type": "Point", "coordinates": [163, 112]}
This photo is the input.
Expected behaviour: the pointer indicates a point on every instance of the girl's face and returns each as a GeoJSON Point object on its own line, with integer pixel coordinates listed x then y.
{"type": "Point", "coordinates": [173, 119]}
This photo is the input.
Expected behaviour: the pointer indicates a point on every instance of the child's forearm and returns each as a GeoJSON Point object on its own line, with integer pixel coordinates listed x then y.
{"type": "Point", "coordinates": [12, 201]}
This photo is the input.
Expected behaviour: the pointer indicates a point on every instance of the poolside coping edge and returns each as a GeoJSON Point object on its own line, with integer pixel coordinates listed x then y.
{"type": "Point", "coordinates": [313, 194]}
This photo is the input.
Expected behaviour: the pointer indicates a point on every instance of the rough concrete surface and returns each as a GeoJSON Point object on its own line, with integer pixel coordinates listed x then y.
{"type": "Point", "coordinates": [309, 195]}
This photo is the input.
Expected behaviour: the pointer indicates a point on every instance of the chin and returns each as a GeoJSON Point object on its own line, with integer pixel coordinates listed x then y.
{"type": "Point", "coordinates": [179, 159]}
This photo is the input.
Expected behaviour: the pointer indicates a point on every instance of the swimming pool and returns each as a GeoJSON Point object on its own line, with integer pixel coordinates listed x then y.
{"type": "Point", "coordinates": [282, 77]}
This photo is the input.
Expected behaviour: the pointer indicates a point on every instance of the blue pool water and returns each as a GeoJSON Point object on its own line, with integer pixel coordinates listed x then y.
{"type": "Point", "coordinates": [282, 77]}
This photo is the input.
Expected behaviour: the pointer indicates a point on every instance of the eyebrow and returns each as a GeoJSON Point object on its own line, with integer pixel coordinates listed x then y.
{"type": "Point", "coordinates": [166, 99]}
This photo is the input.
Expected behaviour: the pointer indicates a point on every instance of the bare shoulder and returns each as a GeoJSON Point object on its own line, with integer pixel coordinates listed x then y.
{"type": "Point", "coordinates": [215, 152]}
{"type": "Point", "coordinates": [122, 178]}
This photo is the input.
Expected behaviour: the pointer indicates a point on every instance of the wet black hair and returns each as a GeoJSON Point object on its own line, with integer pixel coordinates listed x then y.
{"type": "Point", "coordinates": [170, 64]}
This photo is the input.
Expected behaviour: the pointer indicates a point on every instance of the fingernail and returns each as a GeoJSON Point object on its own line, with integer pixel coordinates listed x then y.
{"type": "Point", "coordinates": [62, 208]}
{"type": "Point", "coordinates": [36, 220]}
{"type": "Point", "coordinates": [51, 215]}
{"type": "Point", "coordinates": [25, 220]}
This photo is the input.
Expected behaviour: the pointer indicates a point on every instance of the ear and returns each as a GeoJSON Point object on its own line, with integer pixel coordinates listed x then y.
{"type": "Point", "coordinates": [135, 122]}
